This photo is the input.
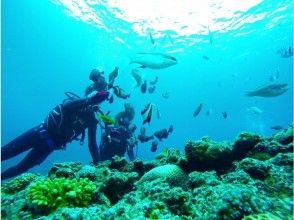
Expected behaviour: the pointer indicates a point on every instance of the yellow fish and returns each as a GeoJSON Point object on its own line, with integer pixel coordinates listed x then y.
{"type": "Point", "coordinates": [106, 119]}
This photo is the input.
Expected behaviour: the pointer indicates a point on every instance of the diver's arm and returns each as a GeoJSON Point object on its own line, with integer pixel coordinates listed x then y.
{"type": "Point", "coordinates": [92, 100]}
{"type": "Point", "coordinates": [92, 144]}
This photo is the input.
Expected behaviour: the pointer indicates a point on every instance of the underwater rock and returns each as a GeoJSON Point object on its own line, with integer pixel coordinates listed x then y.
{"type": "Point", "coordinates": [78, 213]}
{"type": "Point", "coordinates": [263, 216]}
{"type": "Point", "coordinates": [87, 171]}
{"type": "Point", "coordinates": [171, 156]}
{"type": "Point", "coordinates": [279, 182]}
{"type": "Point", "coordinates": [175, 199]}
{"type": "Point", "coordinates": [207, 155]}
{"type": "Point", "coordinates": [18, 183]}
{"type": "Point", "coordinates": [253, 177]}
{"type": "Point", "coordinates": [173, 174]}
{"type": "Point", "coordinates": [237, 177]}
{"type": "Point", "coordinates": [285, 136]}
{"type": "Point", "coordinates": [67, 170]}
{"type": "Point", "coordinates": [118, 163]}
{"type": "Point", "coordinates": [244, 143]}
{"type": "Point", "coordinates": [115, 184]}
{"type": "Point", "coordinates": [283, 159]}
{"type": "Point", "coordinates": [269, 148]}
{"type": "Point", "coordinates": [228, 201]}
{"type": "Point", "coordinates": [255, 168]}
{"type": "Point", "coordinates": [14, 207]}
{"type": "Point", "coordinates": [197, 179]}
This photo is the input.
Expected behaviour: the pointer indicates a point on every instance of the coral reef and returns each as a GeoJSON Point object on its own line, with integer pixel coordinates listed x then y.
{"type": "Point", "coordinates": [207, 155]}
{"type": "Point", "coordinates": [67, 170]}
{"type": "Point", "coordinates": [18, 183]}
{"type": "Point", "coordinates": [251, 178]}
{"type": "Point", "coordinates": [172, 174]}
{"type": "Point", "coordinates": [264, 216]}
{"type": "Point", "coordinates": [47, 195]}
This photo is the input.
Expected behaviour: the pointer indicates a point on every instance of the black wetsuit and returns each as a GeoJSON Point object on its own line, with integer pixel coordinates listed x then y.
{"type": "Point", "coordinates": [115, 142]}
{"type": "Point", "coordinates": [63, 124]}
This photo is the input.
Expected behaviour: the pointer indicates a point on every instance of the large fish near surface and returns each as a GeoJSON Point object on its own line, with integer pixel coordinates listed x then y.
{"type": "Point", "coordinates": [154, 60]}
{"type": "Point", "coordinates": [272, 90]}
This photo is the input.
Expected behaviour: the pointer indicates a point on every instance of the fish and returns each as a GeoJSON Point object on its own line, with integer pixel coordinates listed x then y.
{"type": "Point", "coordinates": [163, 133]}
{"type": "Point", "coordinates": [151, 89]}
{"type": "Point", "coordinates": [273, 77]}
{"type": "Point", "coordinates": [142, 130]}
{"type": "Point", "coordinates": [110, 99]}
{"type": "Point", "coordinates": [205, 57]}
{"type": "Point", "coordinates": [286, 52]}
{"type": "Point", "coordinates": [277, 127]}
{"type": "Point", "coordinates": [166, 95]}
{"type": "Point", "coordinates": [225, 115]}
{"type": "Point", "coordinates": [154, 145]}
{"type": "Point", "coordinates": [148, 116]}
{"type": "Point", "coordinates": [112, 76]}
{"type": "Point", "coordinates": [145, 108]}
{"type": "Point", "coordinates": [271, 90]}
{"type": "Point", "coordinates": [154, 60]}
{"type": "Point", "coordinates": [198, 110]}
{"type": "Point", "coordinates": [151, 38]}
{"type": "Point", "coordinates": [120, 93]}
{"type": "Point", "coordinates": [106, 119]}
{"type": "Point", "coordinates": [153, 82]}
{"type": "Point", "coordinates": [137, 76]}
{"type": "Point", "coordinates": [144, 87]}
{"type": "Point", "coordinates": [170, 129]}
{"type": "Point", "coordinates": [208, 112]}
{"type": "Point", "coordinates": [255, 110]}
{"type": "Point", "coordinates": [158, 113]}
{"type": "Point", "coordinates": [147, 112]}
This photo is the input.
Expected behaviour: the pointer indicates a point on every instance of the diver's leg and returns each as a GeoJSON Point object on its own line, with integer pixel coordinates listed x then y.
{"type": "Point", "coordinates": [20, 144]}
{"type": "Point", "coordinates": [35, 157]}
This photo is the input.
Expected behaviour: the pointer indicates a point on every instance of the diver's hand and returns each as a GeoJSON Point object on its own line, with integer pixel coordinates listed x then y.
{"type": "Point", "coordinates": [99, 97]}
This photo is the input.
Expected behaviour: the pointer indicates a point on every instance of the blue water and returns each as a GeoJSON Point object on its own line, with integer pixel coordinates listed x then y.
{"type": "Point", "coordinates": [46, 52]}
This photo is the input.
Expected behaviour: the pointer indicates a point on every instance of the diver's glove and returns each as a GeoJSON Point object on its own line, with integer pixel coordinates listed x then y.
{"type": "Point", "coordinates": [99, 97]}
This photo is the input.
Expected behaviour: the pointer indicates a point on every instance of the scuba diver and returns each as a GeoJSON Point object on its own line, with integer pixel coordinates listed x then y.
{"type": "Point", "coordinates": [163, 133]}
{"type": "Point", "coordinates": [119, 138]}
{"type": "Point", "coordinates": [100, 84]}
{"type": "Point", "coordinates": [64, 123]}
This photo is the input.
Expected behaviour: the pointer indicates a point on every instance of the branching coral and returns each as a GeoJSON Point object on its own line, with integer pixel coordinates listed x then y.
{"type": "Point", "coordinates": [48, 195]}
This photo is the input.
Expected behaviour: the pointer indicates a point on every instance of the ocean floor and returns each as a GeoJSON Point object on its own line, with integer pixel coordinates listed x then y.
{"type": "Point", "coordinates": [251, 178]}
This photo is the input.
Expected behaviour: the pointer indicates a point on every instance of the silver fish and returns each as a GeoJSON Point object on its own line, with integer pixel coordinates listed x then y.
{"type": "Point", "coordinates": [154, 60]}
{"type": "Point", "coordinates": [272, 90]}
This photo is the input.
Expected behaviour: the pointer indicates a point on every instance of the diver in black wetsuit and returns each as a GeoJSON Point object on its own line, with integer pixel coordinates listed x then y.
{"type": "Point", "coordinates": [116, 140]}
{"type": "Point", "coordinates": [119, 139]}
{"type": "Point", "coordinates": [65, 123]}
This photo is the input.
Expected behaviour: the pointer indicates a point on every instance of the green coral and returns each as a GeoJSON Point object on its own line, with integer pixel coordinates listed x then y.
{"type": "Point", "coordinates": [49, 195]}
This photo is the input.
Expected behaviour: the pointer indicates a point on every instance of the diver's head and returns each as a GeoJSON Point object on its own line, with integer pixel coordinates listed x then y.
{"type": "Point", "coordinates": [124, 121]}
{"type": "Point", "coordinates": [95, 74]}
{"type": "Point", "coordinates": [129, 109]}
